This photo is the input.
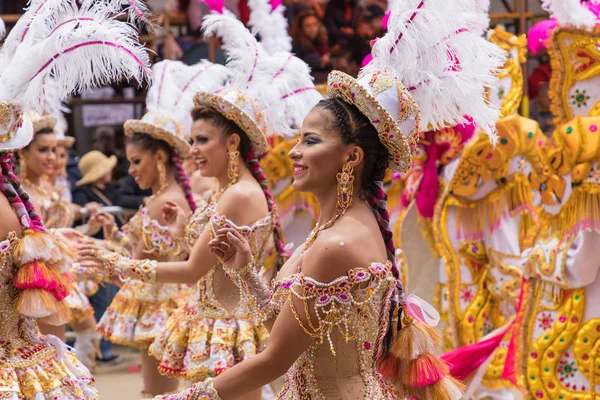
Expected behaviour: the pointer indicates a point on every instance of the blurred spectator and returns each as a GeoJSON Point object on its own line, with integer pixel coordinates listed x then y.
{"type": "Point", "coordinates": [310, 41]}
{"type": "Point", "coordinates": [344, 61]}
{"type": "Point", "coordinates": [95, 187]}
{"type": "Point", "coordinates": [341, 20]}
{"type": "Point", "coordinates": [105, 141]}
{"type": "Point", "coordinates": [373, 17]}
{"type": "Point", "coordinates": [293, 8]}
{"type": "Point", "coordinates": [130, 195]}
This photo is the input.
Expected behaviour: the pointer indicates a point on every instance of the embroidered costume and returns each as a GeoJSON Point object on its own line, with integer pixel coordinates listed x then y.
{"type": "Point", "coordinates": [139, 311]}
{"type": "Point", "coordinates": [353, 311]}
{"type": "Point", "coordinates": [555, 352]}
{"type": "Point", "coordinates": [33, 263]}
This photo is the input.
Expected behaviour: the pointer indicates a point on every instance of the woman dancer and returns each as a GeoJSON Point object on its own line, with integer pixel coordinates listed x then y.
{"type": "Point", "coordinates": [154, 148]}
{"type": "Point", "coordinates": [33, 284]}
{"type": "Point", "coordinates": [342, 314]}
{"type": "Point", "coordinates": [217, 329]}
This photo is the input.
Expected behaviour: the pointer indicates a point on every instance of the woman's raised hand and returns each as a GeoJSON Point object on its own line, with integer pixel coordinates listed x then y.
{"type": "Point", "coordinates": [231, 248]}
{"type": "Point", "coordinates": [175, 218]}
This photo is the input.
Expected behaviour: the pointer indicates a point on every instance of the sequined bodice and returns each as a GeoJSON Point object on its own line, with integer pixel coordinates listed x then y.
{"type": "Point", "coordinates": [156, 238]}
{"type": "Point", "coordinates": [216, 291]}
{"type": "Point", "coordinates": [340, 364]}
{"type": "Point", "coordinates": [9, 325]}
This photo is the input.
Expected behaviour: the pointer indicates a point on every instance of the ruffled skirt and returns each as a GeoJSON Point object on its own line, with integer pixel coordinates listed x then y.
{"type": "Point", "coordinates": [139, 311]}
{"type": "Point", "coordinates": [34, 371]}
{"type": "Point", "coordinates": [203, 340]}
{"type": "Point", "coordinates": [79, 305]}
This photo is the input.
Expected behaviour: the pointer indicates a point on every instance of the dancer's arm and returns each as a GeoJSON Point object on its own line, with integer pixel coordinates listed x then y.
{"type": "Point", "coordinates": [292, 333]}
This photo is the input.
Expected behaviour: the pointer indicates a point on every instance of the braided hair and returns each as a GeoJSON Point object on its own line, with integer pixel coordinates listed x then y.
{"type": "Point", "coordinates": [19, 199]}
{"type": "Point", "coordinates": [152, 145]}
{"type": "Point", "coordinates": [252, 162]}
{"type": "Point", "coordinates": [355, 128]}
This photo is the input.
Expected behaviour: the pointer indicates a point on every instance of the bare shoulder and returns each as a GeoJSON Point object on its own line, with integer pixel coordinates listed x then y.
{"type": "Point", "coordinates": [243, 203]}
{"type": "Point", "coordinates": [352, 242]}
{"type": "Point", "coordinates": [10, 221]}
{"type": "Point", "coordinates": [176, 195]}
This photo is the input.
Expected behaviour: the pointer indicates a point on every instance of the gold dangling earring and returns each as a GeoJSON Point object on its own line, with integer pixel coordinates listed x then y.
{"type": "Point", "coordinates": [233, 166]}
{"type": "Point", "coordinates": [162, 175]}
{"type": "Point", "coordinates": [345, 188]}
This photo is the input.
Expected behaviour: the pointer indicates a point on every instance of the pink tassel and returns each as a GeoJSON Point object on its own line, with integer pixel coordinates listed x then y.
{"type": "Point", "coordinates": [34, 275]}
{"type": "Point", "coordinates": [425, 370]}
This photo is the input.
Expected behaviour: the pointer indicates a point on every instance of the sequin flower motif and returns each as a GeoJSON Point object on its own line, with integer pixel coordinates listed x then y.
{"type": "Point", "coordinates": [580, 98]}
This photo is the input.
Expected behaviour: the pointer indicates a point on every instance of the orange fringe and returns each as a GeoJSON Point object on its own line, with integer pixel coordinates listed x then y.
{"type": "Point", "coordinates": [415, 339]}
{"type": "Point", "coordinates": [61, 317]}
{"type": "Point", "coordinates": [36, 303]}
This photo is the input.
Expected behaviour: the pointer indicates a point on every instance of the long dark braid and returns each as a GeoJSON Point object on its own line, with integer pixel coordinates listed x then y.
{"type": "Point", "coordinates": [356, 128]}
{"type": "Point", "coordinates": [254, 165]}
{"type": "Point", "coordinates": [184, 180]}
{"type": "Point", "coordinates": [18, 198]}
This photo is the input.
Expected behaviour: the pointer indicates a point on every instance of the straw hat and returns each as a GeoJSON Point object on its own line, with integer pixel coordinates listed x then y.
{"type": "Point", "coordinates": [94, 165]}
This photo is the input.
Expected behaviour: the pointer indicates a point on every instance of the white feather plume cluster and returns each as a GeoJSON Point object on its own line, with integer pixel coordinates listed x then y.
{"type": "Point", "coordinates": [271, 25]}
{"type": "Point", "coordinates": [570, 13]}
{"type": "Point", "coordinates": [80, 43]}
{"type": "Point", "coordinates": [2, 29]}
{"type": "Point", "coordinates": [438, 53]}
{"type": "Point", "coordinates": [175, 84]}
{"type": "Point", "coordinates": [54, 105]}
{"type": "Point", "coordinates": [280, 83]}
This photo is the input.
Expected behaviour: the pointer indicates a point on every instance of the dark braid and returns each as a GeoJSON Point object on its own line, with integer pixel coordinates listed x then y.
{"type": "Point", "coordinates": [184, 181]}
{"type": "Point", "coordinates": [356, 128]}
{"type": "Point", "coordinates": [282, 253]}
{"type": "Point", "coordinates": [18, 198]}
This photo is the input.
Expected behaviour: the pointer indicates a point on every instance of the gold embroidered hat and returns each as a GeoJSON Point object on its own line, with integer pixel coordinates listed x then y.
{"type": "Point", "coordinates": [388, 105]}
{"type": "Point", "coordinates": [429, 65]}
{"type": "Point", "coordinates": [169, 101]}
{"type": "Point", "coordinates": [266, 94]}
{"type": "Point", "coordinates": [78, 45]}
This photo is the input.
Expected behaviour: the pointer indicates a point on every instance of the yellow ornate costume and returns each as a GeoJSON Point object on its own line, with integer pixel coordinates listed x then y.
{"type": "Point", "coordinates": [484, 218]}
{"type": "Point", "coordinates": [211, 332]}
{"type": "Point", "coordinates": [557, 356]}
{"type": "Point", "coordinates": [139, 311]}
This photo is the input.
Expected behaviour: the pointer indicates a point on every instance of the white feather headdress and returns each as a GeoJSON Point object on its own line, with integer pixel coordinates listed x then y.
{"type": "Point", "coordinates": [570, 13]}
{"type": "Point", "coordinates": [266, 93]}
{"type": "Point", "coordinates": [267, 19]}
{"type": "Point", "coordinates": [432, 47]}
{"type": "Point", "coordinates": [169, 100]}
{"type": "Point", "coordinates": [80, 44]}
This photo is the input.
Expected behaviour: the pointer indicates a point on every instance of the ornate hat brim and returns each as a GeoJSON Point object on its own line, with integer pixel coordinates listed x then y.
{"type": "Point", "coordinates": [22, 137]}
{"type": "Point", "coordinates": [347, 88]}
{"type": "Point", "coordinates": [99, 171]}
{"type": "Point", "coordinates": [66, 142]}
{"type": "Point", "coordinates": [133, 126]}
{"type": "Point", "coordinates": [240, 118]}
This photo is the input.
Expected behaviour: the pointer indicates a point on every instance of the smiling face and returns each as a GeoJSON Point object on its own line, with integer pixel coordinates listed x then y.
{"type": "Point", "coordinates": [142, 165]}
{"type": "Point", "coordinates": [62, 156]}
{"type": "Point", "coordinates": [209, 150]}
{"type": "Point", "coordinates": [40, 155]}
{"type": "Point", "coordinates": [319, 154]}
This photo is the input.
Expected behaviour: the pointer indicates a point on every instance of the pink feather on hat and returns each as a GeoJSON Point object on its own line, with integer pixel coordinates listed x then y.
{"type": "Point", "coordinates": [215, 5]}
{"type": "Point", "coordinates": [539, 33]}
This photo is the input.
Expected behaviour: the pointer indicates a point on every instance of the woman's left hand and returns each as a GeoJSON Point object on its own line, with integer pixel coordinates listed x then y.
{"type": "Point", "coordinates": [231, 248]}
